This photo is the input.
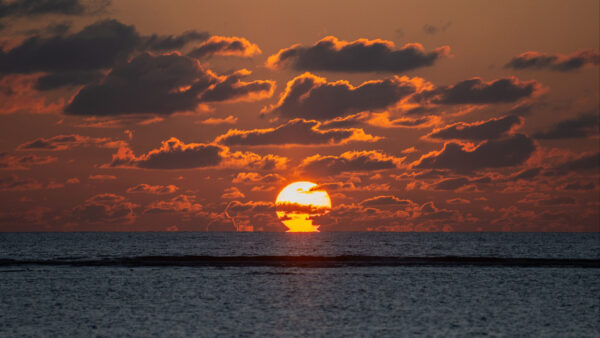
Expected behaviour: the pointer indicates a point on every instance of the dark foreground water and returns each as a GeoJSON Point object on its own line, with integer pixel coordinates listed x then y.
{"type": "Point", "coordinates": [340, 284]}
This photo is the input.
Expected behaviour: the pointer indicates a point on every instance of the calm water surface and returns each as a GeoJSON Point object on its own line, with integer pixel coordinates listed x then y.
{"type": "Point", "coordinates": [42, 298]}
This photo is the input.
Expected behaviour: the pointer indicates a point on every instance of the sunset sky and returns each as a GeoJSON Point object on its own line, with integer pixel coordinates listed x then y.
{"type": "Point", "coordinates": [132, 115]}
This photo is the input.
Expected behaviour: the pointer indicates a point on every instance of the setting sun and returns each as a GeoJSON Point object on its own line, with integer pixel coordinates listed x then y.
{"type": "Point", "coordinates": [298, 202]}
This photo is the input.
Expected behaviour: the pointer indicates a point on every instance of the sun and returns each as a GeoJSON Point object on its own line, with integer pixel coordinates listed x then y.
{"type": "Point", "coordinates": [297, 203]}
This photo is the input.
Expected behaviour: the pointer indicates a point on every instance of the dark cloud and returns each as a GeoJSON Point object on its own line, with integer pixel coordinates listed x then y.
{"type": "Point", "coordinates": [177, 204]}
{"type": "Point", "coordinates": [578, 186]}
{"type": "Point", "coordinates": [97, 46]}
{"type": "Point", "coordinates": [162, 43]}
{"type": "Point", "coordinates": [295, 132]}
{"type": "Point", "coordinates": [526, 174]}
{"type": "Point", "coordinates": [432, 29]}
{"type": "Point", "coordinates": [312, 97]}
{"type": "Point", "coordinates": [582, 126]}
{"type": "Point", "coordinates": [153, 189]}
{"type": "Point", "coordinates": [506, 152]}
{"type": "Point", "coordinates": [57, 80]}
{"type": "Point", "coordinates": [350, 161]}
{"type": "Point", "coordinates": [13, 162]}
{"type": "Point", "coordinates": [331, 54]}
{"type": "Point", "coordinates": [78, 58]}
{"type": "Point", "coordinates": [21, 8]}
{"type": "Point", "coordinates": [386, 201]}
{"type": "Point", "coordinates": [64, 142]}
{"type": "Point", "coordinates": [162, 84]}
{"type": "Point", "coordinates": [174, 154]}
{"type": "Point", "coordinates": [582, 163]}
{"type": "Point", "coordinates": [476, 91]}
{"type": "Point", "coordinates": [223, 45]}
{"type": "Point", "coordinates": [478, 131]}
{"type": "Point", "coordinates": [254, 216]}
{"type": "Point", "coordinates": [557, 62]}
{"type": "Point", "coordinates": [14, 183]}
{"type": "Point", "coordinates": [105, 209]}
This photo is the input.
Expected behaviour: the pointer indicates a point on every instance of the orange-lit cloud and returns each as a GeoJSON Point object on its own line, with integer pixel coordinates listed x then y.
{"type": "Point", "coordinates": [350, 161]}
{"type": "Point", "coordinates": [216, 121]}
{"type": "Point", "coordinates": [24, 162]}
{"type": "Point", "coordinates": [153, 189]}
{"type": "Point", "coordinates": [478, 131]}
{"type": "Point", "coordinates": [223, 45]}
{"type": "Point", "coordinates": [312, 97]}
{"type": "Point", "coordinates": [297, 132]}
{"type": "Point", "coordinates": [174, 154]}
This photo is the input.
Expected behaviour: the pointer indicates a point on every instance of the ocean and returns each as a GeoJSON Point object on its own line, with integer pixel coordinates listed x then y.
{"type": "Point", "coordinates": [294, 284]}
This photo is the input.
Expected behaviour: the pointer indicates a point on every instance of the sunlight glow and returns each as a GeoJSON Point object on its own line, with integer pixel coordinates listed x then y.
{"type": "Point", "coordinates": [296, 204]}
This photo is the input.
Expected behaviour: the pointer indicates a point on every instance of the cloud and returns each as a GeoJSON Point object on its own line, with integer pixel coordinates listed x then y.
{"type": "Point", "coordinates": [583, 126]}
{"type": "Point", "coordinates": [297, 132]}
{"type": "Point", "coordinates": [254, 177]}
{"type": "Point", "coordinates": [216, 121]}
{"type": "Point", "coordinates": [64, 142]}
{"type": "Point", "coordinates": [386, 201]}
{"type": "Point", "coordinates": [223, 45]}
{"type": "Point", "coordinates": [312, 97]}
{"type": "Point", "coordinates": [96, 46]}
{"type": "Point", "coordinates": [232, 193]}
{"type": "Point", "coordinates": [458, 201]}
{"type": "Point", "coordinates": [102, 177]}
{"type": "Point", "coordinates": [14, 183]}
{"type": "Point", "coordinates": [175, 154]}
{"type": "Point", "coordinates": [383, 120]}
{"type": "Point", "coordinates": [582, 163]}
{"type": "Point", "coordinates": [350, 161]}
{"type": "Point", "coordinates": [331, 54]}
{"type": "Point", "coordinates": [506, 152]}
{"type": "Point", "coordinates": [556, 62]}
{"type": "Point", "coordinates": [478, 131]}
{"type": "Point", "coordinates": [23, 8]}
{"type": "Point", "coordinates": [153, 189]}
{"type": "Point", "coordinates": [476, 91]}
{"type": "Point", "coordinates": [177, 204]}
{"type": "Point", "coordinates": [162, 43]}
{"type": "Point", "coordinates": [83, 57]}
{"type": "Point", "coordinates": [18, 94]}
{"type": "Point", "coordinates": [12, 162]}
{"type": "Point", "coordinates": [163, 84]}
{"type": "Point", "coordinates": [431, 29]}
{"type": "Point", "coordinates": [105, 209]}
{"type": "Point", "coordinates": [254, 216]}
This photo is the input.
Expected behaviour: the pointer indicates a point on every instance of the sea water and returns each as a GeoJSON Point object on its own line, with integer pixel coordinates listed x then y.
{"type": "Point", "coordinates": [283, 284]}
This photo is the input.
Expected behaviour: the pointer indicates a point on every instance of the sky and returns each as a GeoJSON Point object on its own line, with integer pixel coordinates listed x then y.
{"type": "Point", "coordinates": [129, 115]}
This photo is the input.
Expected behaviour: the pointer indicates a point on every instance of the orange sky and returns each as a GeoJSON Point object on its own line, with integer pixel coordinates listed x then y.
{"type": "Point", "coordinates": [412, 115]}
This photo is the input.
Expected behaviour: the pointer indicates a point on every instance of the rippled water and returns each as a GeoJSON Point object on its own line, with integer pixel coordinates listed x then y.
{"type": "Point", "coordinates": [298, 300]}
